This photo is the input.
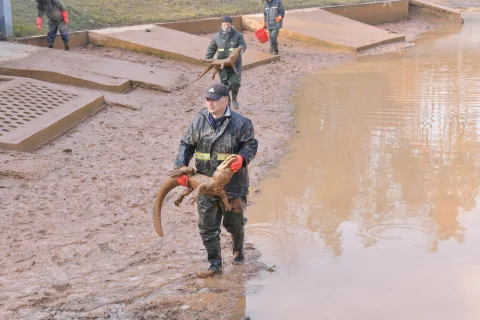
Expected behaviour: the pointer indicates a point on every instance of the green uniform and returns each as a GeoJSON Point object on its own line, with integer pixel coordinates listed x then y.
{"type": "Point", "coordinates": [224, 43]}
{"type": "Point", "coordinates": [272, 10]}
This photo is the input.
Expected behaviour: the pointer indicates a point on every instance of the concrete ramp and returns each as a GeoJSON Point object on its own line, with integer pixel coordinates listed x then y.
{"type": "Point", "coordinates": [58, 66]}
{"type": "Point", "coordinates": [33, 112]}
{"type": "Point", "coordinates": [168, 44]}
{"type": "Point", "coordinates": [319, 27]}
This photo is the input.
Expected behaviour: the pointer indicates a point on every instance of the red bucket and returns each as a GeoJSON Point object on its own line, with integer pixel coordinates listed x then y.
{"type": "Point", "coordinates": [261, 35]}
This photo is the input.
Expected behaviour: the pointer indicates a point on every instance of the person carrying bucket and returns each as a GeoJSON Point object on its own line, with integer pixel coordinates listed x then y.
{"type": "Point", "coordinates": [225, 42]}
{"type": "Point", "coordinates": [273, 21]}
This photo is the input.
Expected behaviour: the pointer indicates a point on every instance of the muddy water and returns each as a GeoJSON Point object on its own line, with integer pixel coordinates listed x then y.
{"type": "Point", "coordinates": [374, 212]}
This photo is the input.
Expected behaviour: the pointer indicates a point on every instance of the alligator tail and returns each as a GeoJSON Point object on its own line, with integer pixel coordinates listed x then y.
{"type": "Point", "coordinates": [165, 188]}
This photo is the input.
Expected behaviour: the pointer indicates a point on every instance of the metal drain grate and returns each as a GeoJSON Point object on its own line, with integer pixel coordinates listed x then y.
{"type": "Point", "coordinates": [32, 112]}
{"type": "Point", "coordinates": [21, 104]}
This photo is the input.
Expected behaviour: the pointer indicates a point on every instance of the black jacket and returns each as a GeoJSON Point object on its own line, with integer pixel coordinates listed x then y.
{"type": "Point", "coordinates": [233, 136]}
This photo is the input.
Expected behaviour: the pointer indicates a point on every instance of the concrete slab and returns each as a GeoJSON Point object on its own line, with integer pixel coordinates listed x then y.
{"type": "Point", "coordinates": [168, 44]}
{"type": "Point", "coordinates": [448, 4]}
{"type": "Point", "coordinates": [319, 27]}
{"type": "Point", "coordinates": [446, 7]}
{"type": "Point", "coordinates": [58, 66]}
{"type": "Point", "coordinates": [33, 112]}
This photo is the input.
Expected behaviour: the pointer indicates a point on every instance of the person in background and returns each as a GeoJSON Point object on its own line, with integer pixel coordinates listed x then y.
{"type": "Point", "coordinates": [272, 21]}
{"type": "Point", "coordinates": [57, 20]}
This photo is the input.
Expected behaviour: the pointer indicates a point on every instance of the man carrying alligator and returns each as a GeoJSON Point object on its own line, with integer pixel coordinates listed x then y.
{"type": "Point", "coordinates": [225, 42]}
{"type": "Point", "coordinates": [57, 20]}
{"type": "Point", "coordinates": [214, 134]}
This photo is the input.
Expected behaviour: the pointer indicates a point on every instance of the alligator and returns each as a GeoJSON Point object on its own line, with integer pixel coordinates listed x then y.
{"type": "Point", "coordinates": [202, 184]}
{"type": "Point", "coordinates": [220, 64]}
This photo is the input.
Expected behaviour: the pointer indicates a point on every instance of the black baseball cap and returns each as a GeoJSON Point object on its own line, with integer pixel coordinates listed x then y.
{"type": "Point", "coordinates": [216, 91]}
{"type": "Point", "coordinates": [227, 19]}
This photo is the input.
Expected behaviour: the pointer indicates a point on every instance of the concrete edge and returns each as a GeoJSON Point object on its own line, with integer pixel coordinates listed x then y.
{"type": "Point", "coordinates": [107, 41]}
{"type": "Point", "coordinates": [438, 8]}
{"type": "Point", "coordinates": [386, 41]}
{"type": "Point", "coordinates": [77, 39]}
{"type": "Point", "coordinates": [260, 62]}
{"type": "Point", "coordinates": [54, 77]}
{"type": "Point", "coordinates": [50, 133]}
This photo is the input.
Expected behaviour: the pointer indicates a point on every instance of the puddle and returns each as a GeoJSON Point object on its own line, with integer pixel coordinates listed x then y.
{"type": "Point", "coordinates": [373, 214]}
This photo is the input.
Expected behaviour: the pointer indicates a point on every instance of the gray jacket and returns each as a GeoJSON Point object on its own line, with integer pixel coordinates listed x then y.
{"type": "Point", "coordinates": [224, 44]}
{"type": "Point", "coordinates": [233, 136]}
{"type": "Point", "coordinates": [273, 10]}
{"type": "Point", "coordinates": [52, 8]}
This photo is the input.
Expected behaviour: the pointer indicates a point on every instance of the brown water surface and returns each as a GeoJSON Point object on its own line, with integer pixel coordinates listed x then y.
{"type": "Point", "coordinates": [374, 214]}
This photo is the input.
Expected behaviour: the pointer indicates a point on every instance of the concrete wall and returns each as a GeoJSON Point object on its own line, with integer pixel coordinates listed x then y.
{"type": "Point", "coordinates": [201, 26]}
{"type": "Point", "coordinates": [374, 12]}
{"type": "Point", "coordinates": [77, 39]}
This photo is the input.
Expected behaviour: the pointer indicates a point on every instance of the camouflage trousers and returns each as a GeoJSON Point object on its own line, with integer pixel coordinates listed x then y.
{"type": "Point", "coordinates": [52, 32]}
{"type": "Point", "coordinates": [211, 211]}
{"type": "Point", "coordinates": [273, 40]}
{"type": "Point", "coordinates": [232, 81]}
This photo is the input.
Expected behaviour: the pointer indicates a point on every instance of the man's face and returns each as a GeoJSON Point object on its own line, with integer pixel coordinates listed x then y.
{"type": "Point", "coordinates": [216, 107]}
{"type": "Point", "coordinates": [227, 25]}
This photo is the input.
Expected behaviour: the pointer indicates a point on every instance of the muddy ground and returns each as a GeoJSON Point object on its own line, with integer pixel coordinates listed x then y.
{"type": "Point", "coordinates": [76, 235]}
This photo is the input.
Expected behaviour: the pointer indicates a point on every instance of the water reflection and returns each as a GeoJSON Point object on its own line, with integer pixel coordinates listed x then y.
{"type": "Point", "coordinates": [382, 181]}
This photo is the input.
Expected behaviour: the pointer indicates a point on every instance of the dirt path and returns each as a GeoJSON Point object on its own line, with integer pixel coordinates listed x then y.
{"type": "Point", "coordinates": [76, 232]}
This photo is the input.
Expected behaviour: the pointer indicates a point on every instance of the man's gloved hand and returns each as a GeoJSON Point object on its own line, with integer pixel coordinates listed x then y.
{"type": "Point", "coordinates": [237, 164]}
{"type": "Point", "coordinates": [278, 19]}
{"type": "Point", "coordinates": [264, 25]}
{"type": "Point", "coordinates": [65, 17]}
{"type": "Point", "coordinates": [183, 180]}
{"type": "Point", "coordinates": [39, 23]}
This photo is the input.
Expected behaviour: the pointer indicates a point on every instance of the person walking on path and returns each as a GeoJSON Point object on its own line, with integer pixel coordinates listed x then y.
{"type": "Point", "coordinates": [225, 42]}
{"type": "Point", "coordinates": [273, 21]}
{"type": "Point", "coordinates": [57, 16]}
{"type": "Point", "coordinates": [214, 134]}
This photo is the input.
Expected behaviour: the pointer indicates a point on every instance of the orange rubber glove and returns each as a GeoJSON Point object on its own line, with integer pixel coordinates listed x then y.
{"type": "Point", "coordinates": [65, 17]}
{"type": "Point", "coordinates": [183, 180]}
{"type": "Point", "coordinates": [278, 19]}
{"type": "Point", "coordinates": [264, 25]}
{"type": "Point", "coordinates": [237, 164]}
{"type": "Point", "coordinates": [39, 23]}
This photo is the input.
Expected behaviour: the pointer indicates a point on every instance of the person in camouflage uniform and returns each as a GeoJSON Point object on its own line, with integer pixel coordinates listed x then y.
{"type": "Point", "coordinates": [57, 20]}
{"type": "Point", "coordinates": [224, 42]}
{"type": "Point", "coordinates": [273, 20]}
{"type": "Point", "coordinates": [214, 134]}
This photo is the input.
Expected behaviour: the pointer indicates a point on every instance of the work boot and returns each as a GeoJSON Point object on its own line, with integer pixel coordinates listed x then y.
{"type": "Point", "coordinates": [238, 258]}
{"type": "Point", "coordinates": [213, 270]}
{"type": "Point", "coordinates": [67, 47]}
{"type": "Point", "coordinates": [50, 46]}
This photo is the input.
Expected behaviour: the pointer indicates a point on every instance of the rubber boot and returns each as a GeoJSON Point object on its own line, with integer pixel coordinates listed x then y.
{"type": "Point", "coordinates": [235, 103]}
{"type": "Point", "coordinates": [238, 258]}
{"type": "Point", "coordinates": [214, 269]}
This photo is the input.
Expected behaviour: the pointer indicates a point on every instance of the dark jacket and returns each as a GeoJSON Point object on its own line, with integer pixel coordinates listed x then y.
{"type": "Point", "coordinates": [52, 8]}
{"type": "Point", "coordinates": [273, 10]}
{"type": "Point", "coordinates": [224, 44]}
{"type": "Point", "coordinates": [233, 136]}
